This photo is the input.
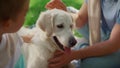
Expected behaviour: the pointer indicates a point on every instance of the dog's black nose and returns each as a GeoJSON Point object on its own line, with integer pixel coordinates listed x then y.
{"type": "Point", "coordinates": [72, 41]}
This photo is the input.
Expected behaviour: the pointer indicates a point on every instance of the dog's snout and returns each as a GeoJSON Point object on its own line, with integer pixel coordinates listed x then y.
{"type": "Point", "coordinates": [72, 41]}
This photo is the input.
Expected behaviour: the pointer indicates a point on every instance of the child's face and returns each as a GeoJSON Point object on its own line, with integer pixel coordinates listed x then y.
{"type": "Point", "coordinates": [17, 23]}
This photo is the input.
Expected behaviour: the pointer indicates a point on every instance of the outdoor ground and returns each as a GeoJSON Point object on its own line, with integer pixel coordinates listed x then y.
{"type": "Point", "coordinates": [37, 6]}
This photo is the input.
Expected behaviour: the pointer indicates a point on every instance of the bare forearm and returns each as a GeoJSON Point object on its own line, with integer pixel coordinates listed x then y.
{"type": "Point", "coordinates": [80, 22]}
{"type": "Point", "coordinates": [103, 48]}
{"type": "Point", "coordinates": [82, 16]}
{"type": "Point", "coordinates": [99, 49]}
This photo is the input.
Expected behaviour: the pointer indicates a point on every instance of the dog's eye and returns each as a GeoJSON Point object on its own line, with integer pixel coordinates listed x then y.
{"type": "Point", "coordinates": [60, 26]}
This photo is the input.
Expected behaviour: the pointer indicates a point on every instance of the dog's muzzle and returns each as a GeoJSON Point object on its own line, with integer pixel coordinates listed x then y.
{"type": "Point", "coordinates": [72, 42]}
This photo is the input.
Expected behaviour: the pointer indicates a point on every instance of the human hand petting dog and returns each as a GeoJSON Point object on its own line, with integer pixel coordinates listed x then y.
{"type": "Point", "coordinates": [60, 59]}
{"type": "Point", "coordinates": [56, 4]}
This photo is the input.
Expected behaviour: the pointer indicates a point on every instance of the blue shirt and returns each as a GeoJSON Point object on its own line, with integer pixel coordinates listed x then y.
{"type": "Point", "coordinates": [111, 11]}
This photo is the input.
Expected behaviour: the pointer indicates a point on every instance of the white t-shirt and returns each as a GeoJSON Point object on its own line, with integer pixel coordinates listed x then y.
{"type": "Point", "coordinates": [10, 50]}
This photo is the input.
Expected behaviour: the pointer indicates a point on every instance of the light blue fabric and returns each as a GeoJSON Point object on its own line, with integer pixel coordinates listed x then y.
{"type": "Point", "coordinates": [118, 17]}
{"type": "Point", "coordinates": [110, 61]}
{"type": "Point", "coordinates": [85, 33]}
{"type": "Point", "coordinates": [111, 12]}
{"type": "Point", "coordinates": [20, 63]}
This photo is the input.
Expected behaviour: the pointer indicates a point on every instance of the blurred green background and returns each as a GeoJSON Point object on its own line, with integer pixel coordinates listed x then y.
{"type": "Point", "coordinates": [38, 6]}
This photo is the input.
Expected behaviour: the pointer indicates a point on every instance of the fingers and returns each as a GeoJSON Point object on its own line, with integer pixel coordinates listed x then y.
{"type": "Point", "coordinates": [55, 64]}
{"type": "Point", "coordinates": [52, 61]}
{"type": "Point", "coordinates": [27, 39]}
{"type": "Point", "coordinates": [58, 53]}
{"type": "Point", "coordinates": [56, 4]}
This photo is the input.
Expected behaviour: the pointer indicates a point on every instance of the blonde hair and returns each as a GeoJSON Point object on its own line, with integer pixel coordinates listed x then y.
{"type": "Point", "coordinates": [10, 8]}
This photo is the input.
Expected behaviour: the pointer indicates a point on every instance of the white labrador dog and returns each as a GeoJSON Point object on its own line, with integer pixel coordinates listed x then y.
{"type": "Point", "coordinates": [53, 31]}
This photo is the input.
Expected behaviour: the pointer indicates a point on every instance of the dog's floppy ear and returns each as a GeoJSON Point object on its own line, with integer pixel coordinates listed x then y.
{"type": "Point", "coordinates": [46, 22]}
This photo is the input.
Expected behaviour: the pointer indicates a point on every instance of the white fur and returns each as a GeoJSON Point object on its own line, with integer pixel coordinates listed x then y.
{"type": "Point", "coordinates": [40, 50]}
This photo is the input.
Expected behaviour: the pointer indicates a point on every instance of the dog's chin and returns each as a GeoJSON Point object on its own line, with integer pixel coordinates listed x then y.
{"type": "Point", "coordinates": [61, 46]}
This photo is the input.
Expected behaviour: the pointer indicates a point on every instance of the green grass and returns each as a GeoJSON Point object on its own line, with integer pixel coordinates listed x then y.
{"type": "Point", "coordinates": [38, 6]}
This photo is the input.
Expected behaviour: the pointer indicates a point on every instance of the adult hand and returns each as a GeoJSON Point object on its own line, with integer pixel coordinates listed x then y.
{"type": "Point", "coordinates": [60, 59]}
{"type": "Point", "coordinates": [56, 4]}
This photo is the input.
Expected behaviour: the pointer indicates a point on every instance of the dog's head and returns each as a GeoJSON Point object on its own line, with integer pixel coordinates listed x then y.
{"type": "Point", "coordinates": [58, 24]}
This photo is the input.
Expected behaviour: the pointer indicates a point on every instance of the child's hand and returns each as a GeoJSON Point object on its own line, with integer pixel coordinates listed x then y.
{"type": "Point", "coordinates": [56, 4]}
{"type": "Point", "coordinates": [27, 38]}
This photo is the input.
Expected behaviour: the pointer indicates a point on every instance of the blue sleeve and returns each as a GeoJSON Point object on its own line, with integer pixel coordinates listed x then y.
{"type": "Point", "coordinates": [118, 17]}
